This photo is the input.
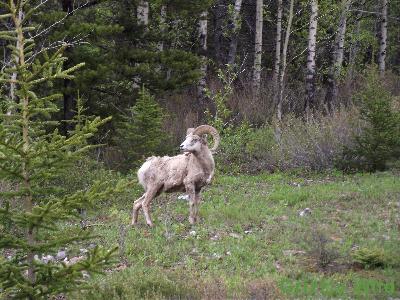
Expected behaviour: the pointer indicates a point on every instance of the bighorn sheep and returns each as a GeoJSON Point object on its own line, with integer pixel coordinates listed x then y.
{"type": "Point", "coordinates": [189, 172]}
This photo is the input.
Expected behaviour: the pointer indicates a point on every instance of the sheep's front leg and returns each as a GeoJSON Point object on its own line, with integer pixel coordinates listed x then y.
{"type": "Point", "coordinates": [192, 203]}
{"type": "Point", "coordinates": [135, 211]}
{"type": "Point", "coordinates": [196, 206]}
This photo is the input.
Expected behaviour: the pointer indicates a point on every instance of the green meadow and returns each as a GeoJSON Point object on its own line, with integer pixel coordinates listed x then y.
{"type": "Point", "coordinates": [275, 236]}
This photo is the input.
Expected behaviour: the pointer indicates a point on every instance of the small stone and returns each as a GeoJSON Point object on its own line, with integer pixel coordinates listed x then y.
{"type": "Point", "coordinates": [305, 212]}
{"type": "Point", "coordinates": [48, 258]}
{"type": "Point", "coordinates": [85, 275]}
{"type": "Point", "coordinates": [216, 256]}
{"type": "Point", "coordinates": [61, 255]}
{"type": "Point", "coordinates": [83, 251]}
{"type": "Point", "coordinates": [292, 252]}
{"type": "Point", "coordinates": [248, 231]}
{"type": "Point", "coordinates": [183, 197]}
{"type": "Point", "coordinates": [235, 235]}
{"type": "Point", "coordinates": [192, 233]}
{"type": "Point", "coordinates": [214, 238]}
{"type": "Point", "coordinates": [228, 253]}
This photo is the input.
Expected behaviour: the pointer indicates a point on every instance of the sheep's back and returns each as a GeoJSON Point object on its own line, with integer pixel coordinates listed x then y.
{"type": "Point", "coordinates": [163, 171]}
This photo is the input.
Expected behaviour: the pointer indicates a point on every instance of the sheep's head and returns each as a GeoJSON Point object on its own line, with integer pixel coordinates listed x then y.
{"type": "Point", "coordinates": [195, 138]}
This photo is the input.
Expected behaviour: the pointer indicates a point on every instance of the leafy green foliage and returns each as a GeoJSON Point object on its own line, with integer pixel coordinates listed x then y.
{"type": "Point", "coordinates": [33, 154]}
{"type": "Point", "coordinates": [139, 133]}
{"type": "Point", "coordinates": [379, 141]}
{"type": "Point", "coordinates": [370, 258]}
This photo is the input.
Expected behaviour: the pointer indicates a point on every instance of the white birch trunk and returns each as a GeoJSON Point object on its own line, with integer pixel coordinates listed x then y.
{"type": "Point", "coordinates": [235, 30]}
{"type": "Point", "coordinates": [383, 39]}
{"type": "Point", "coordinates": [275, 78]}
{"type": "Point", "coordinates": [203, 49]}
{"type": "Point", "coordinates": [258, 46]}
{"type": "Point", "coordinates": [311, 49]}
{"type": "Point", "coordinates": [334, 72]}
{"type": "Point", "coordinates": [281, 85]}
{"type": "Point", "coordinates": [354, 48]}
{"type": "Point", "coordinates": [163, 17]}
{"type": "Point", "coordinates": [143, 13]}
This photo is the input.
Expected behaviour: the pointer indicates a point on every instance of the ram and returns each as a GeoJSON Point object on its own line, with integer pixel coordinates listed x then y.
{"type": "Point", "coordinates": [188, 172]}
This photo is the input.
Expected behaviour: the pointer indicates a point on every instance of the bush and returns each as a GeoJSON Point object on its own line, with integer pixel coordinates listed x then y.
{"type": "Point", "coordinates": [379, 142]}
{"type": "Point", "coordinates": [370, 257]}
{"type": "Point", "coordinates": [291, 144]}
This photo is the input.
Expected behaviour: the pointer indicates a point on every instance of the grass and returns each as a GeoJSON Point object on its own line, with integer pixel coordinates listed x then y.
{"type": "Point", "coordinates": [251, 241]}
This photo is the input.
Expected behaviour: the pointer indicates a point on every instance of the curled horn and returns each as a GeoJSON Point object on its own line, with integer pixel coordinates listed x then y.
{"type": "Point", "coordinates": [207, 129]}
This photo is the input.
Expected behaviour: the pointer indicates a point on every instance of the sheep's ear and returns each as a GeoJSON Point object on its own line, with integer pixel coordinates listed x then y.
{"type": "Point", "coordinates": [189, 131]}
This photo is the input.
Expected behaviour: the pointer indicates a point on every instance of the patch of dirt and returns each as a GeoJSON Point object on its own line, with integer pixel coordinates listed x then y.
{"type": "Point", "coordinates": [263, 289]}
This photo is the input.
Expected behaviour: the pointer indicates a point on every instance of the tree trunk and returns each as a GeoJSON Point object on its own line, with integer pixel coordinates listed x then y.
{"type": "Point", "coordinates": [218, 22]}
{"type": "Point", "coordinates": [163, 17]}
{"type": "Point", "coordinates": [258, 46]}
{"type": "Point", "coordinates": [201, 88]}
{"type": "Point", "coordinates": [334, 72]}
{"type": "Point", "coordinates": [235, 31]}
{"type": "Point", "coordinates": [143, 13]}
{"type": "Point", "coordinates": [27, 198]}
{"type": "Point", "coordinates": [14, 74]}
{"type": "Point", "coordinates": [383, 39]}
{"type": "Point", "coordinates": [281, 85]}
{"type": "Point", "coordinates": [311, 48]}
{"type": "Point", "coordinates": [354, 47]}
{"type": "Point", "coordinates": [278, 43]}
{"type": "Point", "coordinates": [69, 100]}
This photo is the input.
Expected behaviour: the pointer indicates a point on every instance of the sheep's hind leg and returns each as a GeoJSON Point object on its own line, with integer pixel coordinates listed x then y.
{"type": "Point", "coordinates": [150, 194]}
{"type": "Point", "coordinates": [135, 211]}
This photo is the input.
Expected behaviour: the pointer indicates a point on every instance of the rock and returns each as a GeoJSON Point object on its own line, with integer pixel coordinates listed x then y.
{"type": "Point", "coordinates": [48, 258]}
{"type": "Point", "coordinates": [248, 231]}
{"type": "Point", "coordinates": [83, 251]}
{"type": "Point", "coordinates": [305, 212]}
{"type": "Point", "coordinates": [235, 235]}
{"type": "Point", "coordinates": [217, 256]}
{"type": "Point", "coordinates": [74, 260]}
{"type": "Point", "coordinates": [183, 197]}
{"type": "Point", "coordinates": [85, 275]}
{"type": "Point", "coordinates": [215, 237]}
{"type": "Point", "coordinates": [292, 252]}
{"type": "Point", "coordinates": [192, 233]}
{"type": "Point", "coordinates": [61, 255]}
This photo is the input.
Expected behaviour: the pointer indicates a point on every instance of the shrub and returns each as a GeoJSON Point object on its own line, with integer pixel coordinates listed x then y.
{"type": "Point", "coordinates": [379, 141]}
{"type": "Point", "coordinates": [291, 144]}
{"type": "Point", "coordinates": [370, 257]}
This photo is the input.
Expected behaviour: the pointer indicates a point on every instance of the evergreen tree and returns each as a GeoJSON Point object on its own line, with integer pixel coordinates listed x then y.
{"type": "Point", "coordinates": [139, 133]}
{"type": "Point", "coordinates": [32, 155]}
{"type": "Point", "coordinates": [379, 141]}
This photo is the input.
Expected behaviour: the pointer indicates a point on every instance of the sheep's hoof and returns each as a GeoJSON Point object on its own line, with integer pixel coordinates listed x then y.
{"type": "Point", "coordinates": [192, 221]}
{"type": "Point", "coordinates": [150, 224]}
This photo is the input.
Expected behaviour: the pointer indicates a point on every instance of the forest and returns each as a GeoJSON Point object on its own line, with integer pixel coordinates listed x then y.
{"type": "Point", "coordinates": [284, 114]}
